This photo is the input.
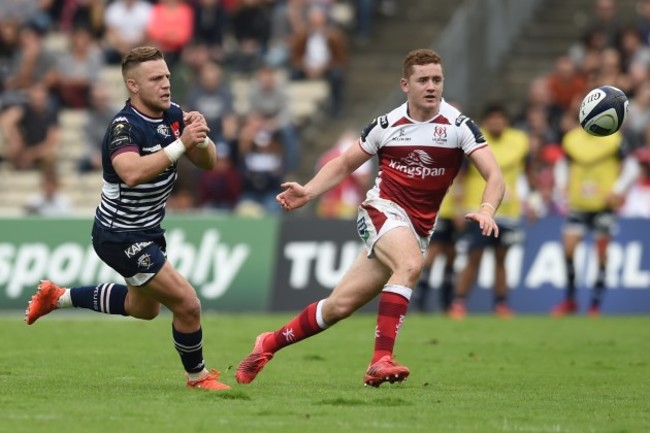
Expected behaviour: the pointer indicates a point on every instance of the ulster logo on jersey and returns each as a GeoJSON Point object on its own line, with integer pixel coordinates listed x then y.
{"type": "Point", "coordinates": [440, 134]}
{"type": "Point", "coordinates": [417, 164]}
{"type": "Point", "coordinates": [163, 130]}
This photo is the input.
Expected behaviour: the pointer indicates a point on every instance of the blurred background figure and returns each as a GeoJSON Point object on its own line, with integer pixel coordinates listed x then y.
{"type": "Point", "coordinates": [31, 64]}
{"type": "Point", "coordinates": [586, 177]}
{"type": "Point", "coordinates": [251, 25]}
{"type": "Point", "coordinates": [450, 225]}
{"type": "Point", "coordinates": [126, 23]}
{"type": "Point", "coordinates": [49, 202]}
{"type": "Point", "coordinates": [210, 21]}
{"type": "Point", "coordinates": [100, 113]}
{"type": "Point", "coordinates": [212, 96]}
{"type": "Point", "coordinates": [510, 147]}
{"type": "Point", "coordinates": [268, 97]}
{"type": "Point", "coordinates": [170, 28]}
{"type": "Point", "coordinates": [220, 188]}
{"type": "Point", "coordinates": [31, 132]}
{"type": "Point", "coordinates": [343, 200]}
{"type": "Point", "coordinates": [320, 51]}
{"type": "Point", "coordinates": [261, 167]}
{"type": "Point", "coordinates": [79, 69]}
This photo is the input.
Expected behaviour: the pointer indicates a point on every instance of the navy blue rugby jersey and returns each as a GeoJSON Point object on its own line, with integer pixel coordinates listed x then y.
{"type": "Point", "coordinates": [124, 208]}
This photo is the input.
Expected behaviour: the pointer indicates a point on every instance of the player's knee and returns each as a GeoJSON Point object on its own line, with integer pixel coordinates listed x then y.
{"type": "Point", "coordinates": [190, 309]}
{"type": "Point", "coordinates": [410, 268]}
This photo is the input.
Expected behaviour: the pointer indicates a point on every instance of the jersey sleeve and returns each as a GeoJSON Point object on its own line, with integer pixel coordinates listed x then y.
{"type": "Point", "coordinates": [371, 136]}
{"type": "Point", "coordinates": [123, 136]}
{"type": "Point", "coordinates": [470, 136]}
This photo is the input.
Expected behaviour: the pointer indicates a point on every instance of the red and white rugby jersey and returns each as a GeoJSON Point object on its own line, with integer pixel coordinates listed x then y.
{"type": "Point", "coordinates": [419, 160]}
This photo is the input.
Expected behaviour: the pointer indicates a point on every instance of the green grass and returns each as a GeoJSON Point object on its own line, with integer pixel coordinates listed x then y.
{"type": "Point", "coordinates": [80, 373]}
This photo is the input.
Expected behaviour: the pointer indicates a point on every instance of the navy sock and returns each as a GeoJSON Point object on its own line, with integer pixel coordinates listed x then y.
{"type": "Point", "coordinates": [104, 298]}
{"type": "Point", "coordinates": [571, 279]}
{"type": "Point", "coordinates": [190, 348]}
{"type": "Point", "coordinates": [599, 287]}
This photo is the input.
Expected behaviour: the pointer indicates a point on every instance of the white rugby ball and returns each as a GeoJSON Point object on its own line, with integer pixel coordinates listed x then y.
{"type": "Point", "coordinates": [603, 111]}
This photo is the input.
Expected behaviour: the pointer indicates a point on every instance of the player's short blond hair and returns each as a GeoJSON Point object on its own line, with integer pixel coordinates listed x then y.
{"type": "Point", "coordinates": [139, 55]}
{"type": "Point", "coordinates": [419, 57]}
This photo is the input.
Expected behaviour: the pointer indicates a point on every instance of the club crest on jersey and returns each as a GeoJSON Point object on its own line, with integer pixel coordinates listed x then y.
{"type": "Point", "coordinates": [163, 130]}
{"type": "Point", "coordinates": [440, 134]}
{"type": "Point", "coordinates": [144, 261]}
{"type": "Point", "coordinates": [417, 164]}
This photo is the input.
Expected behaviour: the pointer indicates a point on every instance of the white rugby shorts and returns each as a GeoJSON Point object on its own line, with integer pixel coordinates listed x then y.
{"type": "Point", "coordinates": [377, 217]}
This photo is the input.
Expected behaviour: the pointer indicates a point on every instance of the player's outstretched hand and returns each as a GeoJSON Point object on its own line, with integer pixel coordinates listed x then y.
{"type": "Point", "coordinates": [293, 196]}
{"type": "Point", "coordinates": [488, 226]}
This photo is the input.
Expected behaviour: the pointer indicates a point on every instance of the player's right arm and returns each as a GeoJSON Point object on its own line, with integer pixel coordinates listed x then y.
{"type": "Point", "coordinates": [135, 169]}
{"type": "Point", "coordinates": [332, 173]}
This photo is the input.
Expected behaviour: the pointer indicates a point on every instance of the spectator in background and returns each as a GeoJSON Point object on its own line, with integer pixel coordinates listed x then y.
{"type": "Point", "coordinates": [565, 83]}
{"type": "Point", "coordinates": [269, 97]}
{"type": "Point", "coordinates": [633, 201]}
{"type": "Point", "coordinates": [23, 11]}
{"type": "Point", "coordinates": [510, 148]}
{"type": "Point", "coordinates": [210, 20]}
{"type": "Point", "coordinates": [251, 26]}
{"type": "Point", "coordinates": [606, 20]}
{"type": "Point", "coordinates": [321, 52]}
{"type": "Point", "coordinates": [287, 20]}
{"type": "Point", "coordinates": [221, 187]}
{"type": "Point", "coordinates": [611, 71]}
{"type": "Point", "coordinates": [643, 20]}
{"type": "Point", "coordinates": [450, 225]}
{"type": "Point", "coordinates": [79, 69]}
{"type": "Point", "coordinates": [100, 113]}
{"type": "Point", "coordinates": [171, 27]}
{"type": "Point", "coordinates": [585, 53]}
{"type": "Point", "coordinates": [637, 120]}
{"type": "Point", "coordinates": [49, 202]}
{"type": "Point", "coordinates": [9, 45]}
{"type": "Point", "coordinates": [260, 159]}
{"type": "Point", "coordinates": [586, 178]}
{"type": "Point", "coordinates": [343, 200]}
{"type": "Point", "coordinates": [31, 131]}
{"type": "Point", "coordinates": [83, 13]}
{"type": "Point", "coordinates": [212, 96]}
{"type": "Point", "coordinates": [126, 24]}
{"type": "Point", "coordinates": [31, 64]}
{"type": "Point", "coordinates": [635, 54]}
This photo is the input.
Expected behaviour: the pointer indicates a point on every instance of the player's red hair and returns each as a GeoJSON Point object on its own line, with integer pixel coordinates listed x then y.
{"type": "Point", "coordinates": [419, 57]}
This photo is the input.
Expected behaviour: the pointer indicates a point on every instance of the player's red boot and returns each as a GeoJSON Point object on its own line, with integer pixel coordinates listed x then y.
{"type": "Point", "coordinates": [564, 308]}
{"type": "Point", "coordinates": [457, 310]}
{"type": "Point", "coordinates": [250, 367]}
{"type": "Point", "coordinates": [43, 301]}
{"type": "Point", "coordinates": [594, 311]}
{"type": "Point", "coordinates": [210, 382]}
{"type": "Point", "coordinates": [386, 369]}
{"type": "Point", "coordinates": [503, 311]}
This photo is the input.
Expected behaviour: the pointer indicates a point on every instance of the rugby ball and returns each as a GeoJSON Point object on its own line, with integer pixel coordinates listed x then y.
{"type": "Point", "coordinates": [603, 111]}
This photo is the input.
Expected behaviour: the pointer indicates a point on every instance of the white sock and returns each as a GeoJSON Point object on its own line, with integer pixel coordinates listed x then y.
{"type": "Point", "coordinates": [196, 376]}
{"type": "Point", "coordinates": [65, 301]}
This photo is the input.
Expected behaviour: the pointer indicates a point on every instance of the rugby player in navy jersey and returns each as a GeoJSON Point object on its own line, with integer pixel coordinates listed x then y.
{"type": "Point", "coordinates": [140, 150]}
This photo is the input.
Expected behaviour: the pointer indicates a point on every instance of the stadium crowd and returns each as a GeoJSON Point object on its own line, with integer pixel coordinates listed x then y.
{"type": "Point", "coordinates": [273, 43]}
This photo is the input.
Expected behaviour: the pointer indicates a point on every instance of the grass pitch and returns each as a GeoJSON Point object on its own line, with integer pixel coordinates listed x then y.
{"type": "Point", "coordinates": [80, 373]}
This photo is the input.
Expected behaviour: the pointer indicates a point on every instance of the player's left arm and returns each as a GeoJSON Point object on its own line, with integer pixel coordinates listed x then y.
{"type": "Point", "coordinates": [203, 155]}
{"type": "Point", "coordinates": [495, 187]}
